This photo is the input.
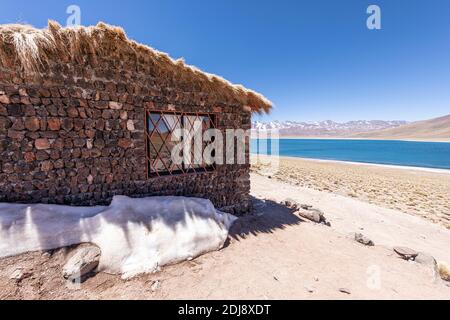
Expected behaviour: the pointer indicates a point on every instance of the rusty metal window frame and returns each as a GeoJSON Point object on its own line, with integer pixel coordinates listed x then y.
{"type": "Point", "coordinates": [181, 117]}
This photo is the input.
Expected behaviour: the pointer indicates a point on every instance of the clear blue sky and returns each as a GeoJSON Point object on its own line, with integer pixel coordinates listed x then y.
{"type": "Point", "coordinates": [314, 59]}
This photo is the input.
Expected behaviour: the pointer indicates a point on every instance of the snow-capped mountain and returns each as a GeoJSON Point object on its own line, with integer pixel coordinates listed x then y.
{"type": "Point", "coordinates": [325, 128]}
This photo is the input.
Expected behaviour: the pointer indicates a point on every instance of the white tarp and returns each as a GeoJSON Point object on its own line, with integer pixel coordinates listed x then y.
{"type": "Point", "coordinates": [134, 235]}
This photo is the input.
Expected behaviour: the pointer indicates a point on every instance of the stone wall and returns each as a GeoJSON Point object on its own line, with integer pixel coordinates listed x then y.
{"type": "Point", "coordinates": [76, 135]}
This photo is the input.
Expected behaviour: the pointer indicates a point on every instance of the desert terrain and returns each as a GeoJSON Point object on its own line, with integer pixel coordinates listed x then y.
{"type": "Point", "coordinates": [425, 193]}
{"type": "Point", "coordinates": [273, 254]}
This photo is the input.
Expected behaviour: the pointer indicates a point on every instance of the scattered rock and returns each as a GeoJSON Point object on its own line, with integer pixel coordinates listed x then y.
{"type": "Point", "coordinates": [42, 144]}
{"type": "Point", "coordinates": [155, 285]}
{"type": "Point", "coordinates": [406, 253]}
{"type": "Point", "coordinates": [19, 274]}
{"type": "Point", "coordinates": [4, 99]}
{"type": "Point", "coordinates": [310, 215]}
{"type": "Point", "coordinates": [84, 261]}
{"type": "Point", "coordinates": [444, 271]}
{"type": "Point", "coordinates": [306, 206]}
{"type": "Point", "coordinates": [306, 211]}
{"type": "Point", "coordinates": [310, 289]}
{"type": "Point", "coordinates": [359, 237]}
{"type": "Point", "coordinates": [291, 204]}
{"type": "Point", "coordinates": [345, 290]}
{"type": "Point", "coordinates": [425, 259]}
{"type": "Point", "coordinates": [115, 105]}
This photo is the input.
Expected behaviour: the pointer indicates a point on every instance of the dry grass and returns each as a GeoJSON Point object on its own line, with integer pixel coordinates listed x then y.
{"type": "Point", "coordinates": [33, 50]}
{"type": "Point", "coordinates": [419, 193]}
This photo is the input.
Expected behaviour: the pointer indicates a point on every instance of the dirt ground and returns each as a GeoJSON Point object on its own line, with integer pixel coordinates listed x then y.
{"type": "Point", "coordinates": [272, 254]}
{"type": "Point", "coordinates": [424, 193]}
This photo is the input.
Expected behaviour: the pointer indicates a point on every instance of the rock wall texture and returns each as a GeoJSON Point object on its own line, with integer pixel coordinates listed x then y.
{"type": "Point", "coordinates": [76, 135]}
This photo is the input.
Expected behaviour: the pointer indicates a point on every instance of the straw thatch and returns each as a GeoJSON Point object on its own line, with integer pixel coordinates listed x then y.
{"type": "Point", "coordinates": [33, 50]}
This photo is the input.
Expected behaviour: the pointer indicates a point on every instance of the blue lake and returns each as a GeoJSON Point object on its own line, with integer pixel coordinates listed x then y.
{"type": "Point", "coordinates": [402, 153]}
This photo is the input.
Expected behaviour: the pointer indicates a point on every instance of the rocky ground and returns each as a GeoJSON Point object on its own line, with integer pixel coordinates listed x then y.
{"type": "Point", "coordinates": [355, 251]}
{"type": "Point", "coordinates": [424, 193]}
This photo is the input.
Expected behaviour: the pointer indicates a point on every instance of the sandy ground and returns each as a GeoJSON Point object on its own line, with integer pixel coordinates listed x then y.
{"type": "Point", "coordinates": [424, 193]}
{"type": "Point", "coordinates": [272, 254]}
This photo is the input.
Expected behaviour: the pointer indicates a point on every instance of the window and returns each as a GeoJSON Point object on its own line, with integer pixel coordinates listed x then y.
{"type": "Point", "coordinates": [162, 138]}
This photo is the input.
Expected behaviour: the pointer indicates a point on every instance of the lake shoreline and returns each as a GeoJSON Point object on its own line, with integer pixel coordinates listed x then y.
{"type": "Point", "coordinates": [427, 155]}
{"type": "Point", "coordinates": [443, 140]}
{"type": "Point", "coordinates": [391, 166]}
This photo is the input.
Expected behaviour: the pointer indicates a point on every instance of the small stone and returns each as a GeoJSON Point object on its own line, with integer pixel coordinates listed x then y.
{"type": "Point", "coordinates": [72, 112]}
{"type": "Point", "coordinates": [32, 124]}
{"type": "Point", "coordinates": [359, 237]}
{"type": "Point", "coordinates": [46, 166]}
{"type": "Point", "coordinates": [426, 259]}
{"type": "Point", "coordinates": [42, 144]}
{"type": "Point", "coordinates": [18, 125]}
{"type": "Point", "coordinates": [155, 285]}
{"type": "Point", "coordinates": [54, 124]}
{"type": "Point", "coordinates": [444, 271]}
{"type": "Point", "coordinates": [17, 135]}
{"type": "Point", "coordinates": [4, 99]}
{"type": "Point", "coordinates": [406, 253]}
{"type": "Point", "coordinates": [310, 289]}
{"type": "Point", "coordinates": [84, 261]}
{"type": "Point", "coordinates": [130, 125]}
{"type": "Point", "coordinates": [124, 143]}
{"type": "Point", "coordinates": [115, 105]}
{"type": "Point", "coordinates": [291, 204]}
{"type": "Point", "coordinates": [19, 274]}
{"type": "Point", "coordinates": [345, 290]}
{"type": "Point", "coordinates": [89, 143]}
{"type": "Point", "coordinates": [23, 92]}
{"type": "Point", "coordinates": [29, 156]}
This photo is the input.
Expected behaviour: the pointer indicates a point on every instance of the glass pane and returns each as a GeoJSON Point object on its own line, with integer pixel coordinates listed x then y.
{"type": "Point", "coordinates": [162, 141]}
{"type": "Point", "coordinates": [152, 121]}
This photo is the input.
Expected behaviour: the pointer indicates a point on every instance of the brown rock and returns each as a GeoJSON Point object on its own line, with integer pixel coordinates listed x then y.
{"type": "Point", "coordinates": [54, 124]}
{"type": "Point", "coordinates": [32, 124]}
{"type": "Point", "coordinates": [359, 237]}
{"type": "Point", "coordinates": [41, 155]}
{"type": "Point", "coordinates": [72, 112]}
{"type": "Point", "coordinates": [18, 125]}
{"type": "Point", "coordinates": [18, 135]}
{"type": "Point", "coordinates": [67, 124]}
{"type": "Point", "coordinates": [130, 125]}
{"type": "Point", "coordinates": [4, 99]}
{"type": "Point", "coordinates": [115, 105]}
{"type": "Point", "coordinates": [42, 144]}
{"type": "Point", "coordinates": [29, 156]}
{"type": "Point", "coordinates": [124, 143]}
{"type": "Point", "coordinates": [406, 253]}
{"type": "Point", "coordinates": [79, 142]}
{"type": "Point", "coordinates": [46, 166]}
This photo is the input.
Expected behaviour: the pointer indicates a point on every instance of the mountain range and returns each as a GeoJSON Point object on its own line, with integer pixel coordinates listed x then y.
{"type": "Point", "coordinates": [437, 129]}
{"type": "Point", "coordinates": [326, 128]}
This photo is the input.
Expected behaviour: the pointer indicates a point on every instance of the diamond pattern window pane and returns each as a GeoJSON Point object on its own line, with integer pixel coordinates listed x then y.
{"type": "Point", "coordinates": [162, 137]}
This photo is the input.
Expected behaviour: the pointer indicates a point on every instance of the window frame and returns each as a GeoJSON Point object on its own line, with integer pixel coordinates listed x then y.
{"type": "Point", "coordinates": [151, 173]}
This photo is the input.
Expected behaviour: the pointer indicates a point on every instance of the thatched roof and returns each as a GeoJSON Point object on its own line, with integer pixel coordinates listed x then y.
{"type": "Point", "coordinates": [32, 50]}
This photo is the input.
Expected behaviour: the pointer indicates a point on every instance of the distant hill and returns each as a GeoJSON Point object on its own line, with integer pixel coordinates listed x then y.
{"type": "Point", "coordinates": [437, 129]}
{"type": "Point", "coordinates": [325, 129]}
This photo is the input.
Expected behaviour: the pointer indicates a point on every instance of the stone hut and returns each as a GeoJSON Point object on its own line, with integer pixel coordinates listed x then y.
{"type": "Point", "coordinates": [87, 114]}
